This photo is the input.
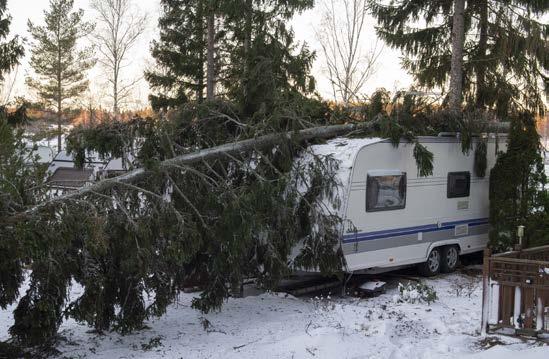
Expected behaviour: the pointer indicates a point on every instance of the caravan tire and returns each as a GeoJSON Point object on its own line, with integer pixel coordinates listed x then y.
{"type": "Point", "coordinates": [432, 266]}
{"type": "Point", "coordinates": [450, 259]}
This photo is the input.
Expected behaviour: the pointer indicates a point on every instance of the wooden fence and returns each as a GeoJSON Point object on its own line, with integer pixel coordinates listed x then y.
{"type": "Point", "coordinates": [516, 291]}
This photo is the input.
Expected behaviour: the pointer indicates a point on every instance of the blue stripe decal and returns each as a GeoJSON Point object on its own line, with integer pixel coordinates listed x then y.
{"type": "Point", "coordinates": [366, 236]}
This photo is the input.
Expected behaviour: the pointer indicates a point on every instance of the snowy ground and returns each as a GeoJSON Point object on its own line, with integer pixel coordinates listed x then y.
{"type": "Point", "coordinates": [281, 326]}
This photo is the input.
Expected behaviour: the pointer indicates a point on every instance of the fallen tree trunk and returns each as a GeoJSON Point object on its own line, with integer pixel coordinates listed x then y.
{"type": "Point", "coordinates": [230, 149]}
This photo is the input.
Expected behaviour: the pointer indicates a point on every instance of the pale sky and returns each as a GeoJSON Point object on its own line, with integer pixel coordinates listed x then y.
{"type": "Point", "coordinates": [389, 73]}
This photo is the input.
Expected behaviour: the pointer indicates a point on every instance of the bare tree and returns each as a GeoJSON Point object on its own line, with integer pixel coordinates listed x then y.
{"type": "Point", "coordinates": [119, 27]}
{"type": "Point", "coordinates": [348, 64]}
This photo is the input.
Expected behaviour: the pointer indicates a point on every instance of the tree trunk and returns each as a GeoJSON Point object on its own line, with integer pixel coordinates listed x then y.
{"type": "Point", "coordinates": [210, 76]}
{"type": "Point", "coordinates": [231, 149]}
{"type": "Point", "coordinates": [247, 46]}
{"type": "Point", "coordinates": [200, 73]}
{"type": "Point", "coordinates": [218, 152]}
{"type": "Point", "coordinates": [59, 118]}
{"type": "Point", "coordinates": [481, 58]}
{"type": "Point", "coordinates": [456, 71]}
{"type": "Point", "coordinates": [59, 84]}
{"type": "Point", "coordinates": [115, 92]}
{"type": "Point", "coordinates": [59, 110]}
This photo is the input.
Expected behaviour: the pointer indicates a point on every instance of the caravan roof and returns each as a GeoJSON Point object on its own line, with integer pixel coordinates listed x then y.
{"type": "Point", "coordinates": [344, 151]}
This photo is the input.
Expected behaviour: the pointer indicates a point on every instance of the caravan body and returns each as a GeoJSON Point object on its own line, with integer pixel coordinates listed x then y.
{"type": "Point", "coordinates": [394, 217]}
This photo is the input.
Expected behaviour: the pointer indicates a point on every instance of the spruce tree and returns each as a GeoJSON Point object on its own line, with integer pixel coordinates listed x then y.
{"type": "Point", "coordinates": [59, 64]}
{"type": "Point", "coordinates": [256, 63]}
{"type": "Point", "coordinates": [505, 51]}
{"type": "Point", "coordinates": [10, 51]}
{"type": "Point", "coordinates": [180, 54]}
{"type": "Point", "coordinates": [267, 70]}
{"type": "Point", "coordinates": [14, 172]}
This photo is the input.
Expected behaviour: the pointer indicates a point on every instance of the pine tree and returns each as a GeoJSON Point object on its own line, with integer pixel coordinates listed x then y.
{"type": "Point", "coordinates": [180, 54]}
{"type": "Point", "coordinates": [505, 51]}
{"type": "Point", "coordinates": [59, 64]}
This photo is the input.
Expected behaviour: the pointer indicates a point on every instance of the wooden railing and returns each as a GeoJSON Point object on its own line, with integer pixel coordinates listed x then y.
{"type": "Point", "coordinates": [516, 291]}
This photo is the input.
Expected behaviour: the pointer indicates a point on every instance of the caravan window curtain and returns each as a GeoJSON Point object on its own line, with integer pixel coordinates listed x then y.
{"type": "Point", "coordinates": [459, 184]}
{"type": "Point", "coordinates": [385, 192]}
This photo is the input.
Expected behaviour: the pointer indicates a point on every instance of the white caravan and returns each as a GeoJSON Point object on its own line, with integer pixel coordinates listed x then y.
{"type": "Point", "coordinates": [395, 218]}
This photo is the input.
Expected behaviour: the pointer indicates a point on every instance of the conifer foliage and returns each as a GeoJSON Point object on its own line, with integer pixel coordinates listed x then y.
{"type": "Point", "coordinates": [517, 188]}
{"type": "Point", "coordinates": [12, 50]}
{"type": "Point", "coordinates": [134, 247]}
{"type": "Point", "coordinates": [259, 67]}
{"type": "Point", "coordinates": [15, 175]}
{"type": "Point", "coordinates": [180, 54]}
{"type": "Point", "coordinates": [505, 52]}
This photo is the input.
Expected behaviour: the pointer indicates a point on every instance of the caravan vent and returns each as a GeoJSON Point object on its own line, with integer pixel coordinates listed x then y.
{"type": "Point", "coordinates": [463, 205]}
{"type": "Point", "coordinates": [461, 230]}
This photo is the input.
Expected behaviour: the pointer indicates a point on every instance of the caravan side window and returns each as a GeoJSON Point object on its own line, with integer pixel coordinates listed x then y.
{"type": "Point", "coordinates": [385, 192]}
{"type": "Point", "coordinates": [459, 184]}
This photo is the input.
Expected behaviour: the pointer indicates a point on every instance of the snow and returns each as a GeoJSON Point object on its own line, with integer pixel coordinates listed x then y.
{"type": "Point", "coordinates": [344, 151]}
{"type": "Point", "coordinates": [372, 286]}
{"type": "Point", "coordinates": [276, 325]}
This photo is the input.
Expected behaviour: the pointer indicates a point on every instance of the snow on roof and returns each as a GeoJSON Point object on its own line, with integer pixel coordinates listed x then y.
{"type": "Point", "coordinates": [70, 177]}
{"type": "Point", "coordinates": [344, 151]}
{"type": "Point", "coordinates": [91, 157]}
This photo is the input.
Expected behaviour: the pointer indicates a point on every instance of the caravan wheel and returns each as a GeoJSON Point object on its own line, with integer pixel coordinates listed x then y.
{"type": "Point", "coordinates": [432, 266]}
{"type": "Point", "coordinates": [450, 259]}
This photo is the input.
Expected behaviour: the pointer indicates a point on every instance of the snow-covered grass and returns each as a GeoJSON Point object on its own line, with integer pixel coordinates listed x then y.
{"type": "Point", "coordinates": [275, 325]}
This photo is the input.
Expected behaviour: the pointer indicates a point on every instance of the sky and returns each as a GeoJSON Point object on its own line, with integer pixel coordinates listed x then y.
{"type": "Point", "coordinates": [389, 73]}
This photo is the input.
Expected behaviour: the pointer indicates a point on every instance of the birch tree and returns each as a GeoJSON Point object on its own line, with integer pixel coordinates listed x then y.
{"type": "Point", "coordinates": [349, 65]}
{"type": "Point", "coordinates": [120, 26]}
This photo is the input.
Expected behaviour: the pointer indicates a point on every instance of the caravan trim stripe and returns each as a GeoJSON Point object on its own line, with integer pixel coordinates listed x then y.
{"type": "Point", "coordinates": [367, 236]}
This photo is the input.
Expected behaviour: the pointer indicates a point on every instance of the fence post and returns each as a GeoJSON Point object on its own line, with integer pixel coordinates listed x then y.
{"type": "Point", "coordinates": [540, 312]}
{"type": "Point", "coordinates": [485, 291]}
{"type": "Point", "coordinates": [516, 312]}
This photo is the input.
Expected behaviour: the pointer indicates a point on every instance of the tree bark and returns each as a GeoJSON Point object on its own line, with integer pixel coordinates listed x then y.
{"type": "Point", "coordinates": [222, 151]}
{"type": "Point", "coordinates": [59, 90]}
{"type": "Point", "coordinates": [456, 70]}
{"type": "Point", "coordinates": [230, 150]}
{"type": "Point", "coordinates": [247, 46]}
{"type": "Point", "coordinates": [210, 75]}
{"type": "Point", "coordinates": [59, 129]}
{"type": "Point", "coordinates": [481, 58]}
{"type": "Point", "coordinates": [200, 73]}
{"type": "Point", "coordinates": [115, 96]}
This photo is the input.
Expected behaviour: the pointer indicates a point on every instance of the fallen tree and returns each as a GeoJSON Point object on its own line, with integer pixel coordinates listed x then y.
{"type": "Point", "coordinates": [248, 145]}
{"type": "Point", "coordinates": [216, 216]}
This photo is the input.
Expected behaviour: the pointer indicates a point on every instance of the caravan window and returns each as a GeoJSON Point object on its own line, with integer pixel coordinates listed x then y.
{"type": "Point", "coordinates": [459, 184]}
{"type": "Point", "coordinates": [385, 191]}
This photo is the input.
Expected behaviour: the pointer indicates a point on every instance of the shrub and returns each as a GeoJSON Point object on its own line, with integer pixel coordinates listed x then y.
{"type": "Point", "coordinates": [416, 293]}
